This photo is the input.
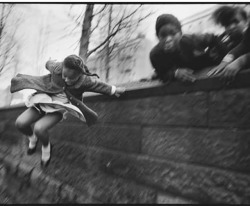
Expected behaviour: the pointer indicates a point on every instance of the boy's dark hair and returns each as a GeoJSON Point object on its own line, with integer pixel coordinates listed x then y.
{"type": "Point", "coordinates": [166, 19]}
{"type": "Point", "coordinates": [224, 14]}
{"type": "Point", "coordinates": [75, 62]}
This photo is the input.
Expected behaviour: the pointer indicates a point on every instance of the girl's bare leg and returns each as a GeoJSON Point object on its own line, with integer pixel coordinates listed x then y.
{"type": "Point", "coordinates": [42, 126]}
{"type": "Point", "coordinates": [26, 119]}
{"type": "Point", "coordinates": [41, 130]}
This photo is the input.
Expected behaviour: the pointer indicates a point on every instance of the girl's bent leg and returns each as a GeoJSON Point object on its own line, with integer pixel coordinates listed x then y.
{"type": "Point", "coordinates": [25, 120]}
{"type": "Point", "coordinates": [42, 126]}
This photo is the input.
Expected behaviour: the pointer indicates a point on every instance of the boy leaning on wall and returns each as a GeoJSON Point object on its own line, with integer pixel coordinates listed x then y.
{"type": "Point", "coordinates": [179, 56]}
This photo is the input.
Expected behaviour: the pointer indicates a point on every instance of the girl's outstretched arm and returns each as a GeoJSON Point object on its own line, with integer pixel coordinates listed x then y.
{"type": "Point", "coordinates": [93, 85]}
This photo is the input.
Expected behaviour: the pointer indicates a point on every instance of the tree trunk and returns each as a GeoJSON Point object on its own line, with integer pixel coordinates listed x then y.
{"type": "Point", "coordinates": [107, 50]}
{"type": "Point", "coordinates": [1, 23]}
{"type": "Point", "coordinates": [86, 28]}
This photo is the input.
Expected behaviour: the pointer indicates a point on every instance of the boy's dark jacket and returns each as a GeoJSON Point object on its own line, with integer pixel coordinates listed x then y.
{"type": "Point", "coordinates": [53, 83]}
{"type": "Point", "coordinates": [244, 46]}
{"type": "Point", "coordinates": [195, 52]}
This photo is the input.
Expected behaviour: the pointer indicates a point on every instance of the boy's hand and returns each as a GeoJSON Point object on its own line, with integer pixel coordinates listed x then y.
{"type": "Point", "coordinates": [185, 74]}
{"type": "Point", "coordinates": [119, 91]}
{"type": "Point", "coordinates": [230, 71]}
{"type": "Point", "coordinates": [217, 69]}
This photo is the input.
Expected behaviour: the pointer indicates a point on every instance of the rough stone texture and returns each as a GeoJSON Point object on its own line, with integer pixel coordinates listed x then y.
{"type": "Point", "coordinates": [10, 115]}
{"type": "Point", "coordinates": [67, 194]}
{"type": "Point", "coordinates": [99, 186]}
{"type": "Point", "coordinates": [202, 184]}
{"type": "Point", "coordinates": [11, 164]}
{"type": "Point", "coordinates": [24, 172]}
{"type": "Point", "coordinates": [229, 149]}
{"type": "Point", "coordinates": [36, 177]}
{"type": "Point", "coordinates": [3, 173]}
{"type": "Point", "coordinates": [169, 199]}
{"type": "Point", "coordinates": [125, 138]}
{"type": "Point", "coordinates": [230, 108]}
{"type": "Point", "coordinates": [14, 190]}
{"type": "Point", "coordinates": [37, 188]}
{"type": "Point", "coordinates": [163, 110]}
{"type": "Point", "coordinates": [205, 184]}
{"type": "Point", "coordinates": [184, 149]}
{"type": "Point", "coordinates": [52, 191]}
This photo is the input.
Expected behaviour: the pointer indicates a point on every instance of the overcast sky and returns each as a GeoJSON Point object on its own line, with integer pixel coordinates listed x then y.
{"type": "Point", "coordinates": [180, 10]}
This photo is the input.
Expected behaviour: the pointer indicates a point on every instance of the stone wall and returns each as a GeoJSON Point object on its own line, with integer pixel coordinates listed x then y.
{"type": "Point", "coordinates": [158, 143]}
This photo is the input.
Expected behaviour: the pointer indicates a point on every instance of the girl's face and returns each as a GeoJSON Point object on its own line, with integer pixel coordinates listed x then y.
{"type": "Point", "coordinates": [70, 76]}
{"type": "Point", "coordinates": [169, 36]}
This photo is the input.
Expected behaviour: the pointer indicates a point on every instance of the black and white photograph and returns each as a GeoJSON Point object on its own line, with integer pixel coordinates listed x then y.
{"type": "Point", "coordinates": [124, 102]}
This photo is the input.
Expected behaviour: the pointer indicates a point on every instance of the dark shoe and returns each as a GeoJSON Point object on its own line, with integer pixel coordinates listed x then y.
{"type": "Point", "coordinates": [45, 164]}
{"type": "Point", "coordinates": [31, 151]}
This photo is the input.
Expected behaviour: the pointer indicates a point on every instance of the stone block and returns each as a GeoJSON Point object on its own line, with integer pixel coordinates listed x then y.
{"type": "Point", "coordinates": [228, 149]}
{"type": "Point", "coordinates": [67, 194]}
{"type": "Point", "coordinates": [3, 173]}
{"type": "Point", "coordinates": [182, 109]}
{"type": "Point", "coordinates": [124, 138]}
{"type": "Point", "coordinates": [197, 183]}
{"type": "Point", "coordinates": [100, 187]}
{"type": "Point", "coordinates": [38, 180]}
{"type": "Point", "coordinates": [170, 199]}
{"type": "Point", "coordinates": [24, 171]}
{"type": "Point", "coordinates": [81, 199]}
{"type": "Point", "coordinates": [229, 108]}
{"type": "Point", "coordinates": [43, 200]}
{"type": "Point", "coordinates": [4, 149]}
{"type": "Point", "coordinates": [52, 191]}
{"type": "Point", "coordinates": [11, 164]}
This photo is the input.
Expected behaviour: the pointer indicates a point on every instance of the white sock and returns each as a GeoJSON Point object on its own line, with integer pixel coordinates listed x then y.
{"type": "Point", "coordinates": [32, 141]}
{"type": "Point", "coordinates": [46, 152]}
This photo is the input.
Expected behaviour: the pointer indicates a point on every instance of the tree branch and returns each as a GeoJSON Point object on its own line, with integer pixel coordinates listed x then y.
{"type": "Point", "coordinates": [101, 10]}
{"type": "Point", "coordinates": [103, 43]}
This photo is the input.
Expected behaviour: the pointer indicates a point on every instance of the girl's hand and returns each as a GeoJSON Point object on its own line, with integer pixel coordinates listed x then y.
{"type": "Point", "coordinates": [119, 91]}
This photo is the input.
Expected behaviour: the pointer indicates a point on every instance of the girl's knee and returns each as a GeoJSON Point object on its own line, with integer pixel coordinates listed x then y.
{"type": "Point", "coordinates": [20, 124]}
{"type": "Point", "coordinates": [39, 130]}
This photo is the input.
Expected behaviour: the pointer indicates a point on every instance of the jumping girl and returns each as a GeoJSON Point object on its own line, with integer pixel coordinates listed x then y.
{"type": "Point", "coordinates": [57, 94]}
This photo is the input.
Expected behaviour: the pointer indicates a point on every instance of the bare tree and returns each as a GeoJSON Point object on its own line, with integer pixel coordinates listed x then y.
{"type": "Point", "coordinates": [8, 42]}
{"type": "Point", "coordinates": [123, 21]}
{"type": "Point", "coordinates": [109, 26]}
{"type": "Point", "coordinates": [9, 45]}
{"type": "Point", "coordinates": [86, 30]}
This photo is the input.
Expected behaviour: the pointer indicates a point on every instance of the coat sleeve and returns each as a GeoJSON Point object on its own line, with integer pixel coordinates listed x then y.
{"type": "Point", "coordinates": [205, 40]}
{"type": "Point", "coordinates": [244, 46]}
{"type": "Point", "coordinates": [243, 61]}
{"type": "Point", "coordinates": [164, 69]}
{"type": "Point", "coordinates": [52, 65]}
{"type": "Point", "coordinates": [93, 85]}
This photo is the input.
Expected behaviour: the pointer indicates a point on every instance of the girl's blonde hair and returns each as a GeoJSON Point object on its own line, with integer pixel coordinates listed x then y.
{"type": "Point", "coordinates": [76, 63]}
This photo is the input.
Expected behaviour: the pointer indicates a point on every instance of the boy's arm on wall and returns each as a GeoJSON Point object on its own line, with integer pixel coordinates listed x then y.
{"type": "Point", "coordinates": [243, 62]}
{"type": "Point", "coordinates": [163, 71]}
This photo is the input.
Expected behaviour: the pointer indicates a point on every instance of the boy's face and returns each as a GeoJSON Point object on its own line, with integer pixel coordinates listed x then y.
{"type": "Point", "coordinates": [70, 76]}
{"type": "Point", "coordinates": [237, 25]}
{"type": "Point", "coordinates": [169, 36]}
